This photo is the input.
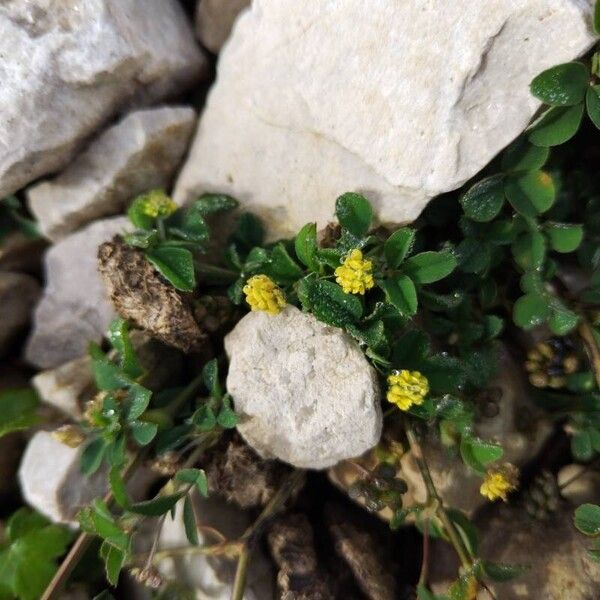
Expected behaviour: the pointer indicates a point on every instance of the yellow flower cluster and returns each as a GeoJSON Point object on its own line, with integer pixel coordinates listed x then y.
{"type": "Point", "coordinates": [406, 388]}
{"type": "Point", "coordinates": [263, 294]}
{"type": "Point", "coordinates": [354, 274]}
{"type": "Point", "coordinates": [157, 204]}
{"type": "Point", "coordinates": [499, 482]}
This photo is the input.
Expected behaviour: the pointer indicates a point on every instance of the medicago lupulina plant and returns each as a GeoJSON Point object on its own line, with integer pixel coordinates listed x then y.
{"type": "Point", "coordinates": [429, 304]}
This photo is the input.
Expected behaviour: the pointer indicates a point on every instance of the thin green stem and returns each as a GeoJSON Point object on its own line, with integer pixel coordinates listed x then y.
{"type": "Point", "coordinates": [241, 574]}
{"type": "Point", "coordinates": [448, 525]}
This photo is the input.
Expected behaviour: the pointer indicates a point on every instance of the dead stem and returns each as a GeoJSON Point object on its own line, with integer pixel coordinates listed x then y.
{"type": "Point", "coordinates": [591, 347]}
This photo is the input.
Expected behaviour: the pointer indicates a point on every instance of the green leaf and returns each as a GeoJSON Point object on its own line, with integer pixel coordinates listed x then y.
{"type": "Point", "coordinates": [373, 335]}
{"type": "Point", "coordinates": [92, 455]}
{"type": "Point", "coordinates": [478, 453]}
{"type": "Point", "coordinates": [564, 237]}
{"type": "Point", "coordinates": [592, 103]}
{"type": "Point", "coordinates": [556, 125]}
{"type": "Point", "coordinates": [143, 432]}
{"type": "Point", "coordinates": [138, 398]}
{"type": "Point", "coordinates": [208, 204]}
{"type": "Point", "coordinates": [328, 302]}
{"type": "Point", "coordinates": [141, 239]}
{"type": "Point", "coordinates": [136, 214]}
{"type": "Point", "coordinates": [483, 201]}
{"type": "Point", "coordinates": [282, 266]}
{"type": "Point", "coordinates": [581, 445]}
{"type": "Point", "coordinates": [227, 417]}
{"type": "Point", "coordinates": [117, 486]}
{"type": "Point", "coordinates": [401, 292]}
{"type": "Point", "coordinates": [398, 519]}
{"type": "Point", "coordinates": [398, 246]}
{"type": "Point", "coordinates": [597, 17]}
{"type": "Point", "coordinates": [466, 529]}
{"type": "Point", "coordinates": [189, 225]}
{"type": "Point", "coordinates": [530, 310]}
{"type": "Point", "coordinates": [354, 213]}
{"type": "Point", "coordinates": [503, 572]}
{"type": "Point", "coordinates": [428, 267]}
{"type": "Point", "coordinates": [176, 265]}
{"type": "Point", "coordinates": [562, 85]}
{"type": "Point", "coordinates": [18, 409]}
{"type": "Point", "coordinates": [204, 418]}
{"type": "Point", "coordinates": [587, 519]}
{"type": "Point", "coordinates": [530, 193]}
{"type": "Point", "coordinates": [98, 520]}
{"type": "Point", "coordinates": [107, 375]}
{"type": "Point", "coordinates": [189, 522]}
{"type": "Point", "coordinates": [529, 250]}
{"type": "Point", "coordinates": [118, 334]}
{"type": "Point", "coordinates": [306, 246]}
{"type": "Point", "coordinates": [210, 377]}
{"type": "Point", "coordinates": [562, 320]}
{"type": "Point", "coordinates": [444, 373]}
{"type": "Point", "coordinates": [114, 559]}
{"type": "Point", "coordinates": [28, 562]}
{"type": "Point", "coordinates": [473, 255]}
{"type": "Point", "coordinates": [523, 156]}
{"type": "Point", "coordinates": [157, 506]}
{"type": "Point", "coordinates": [196, 477]}
{"type": "Point", "coordinates": [249, 232]}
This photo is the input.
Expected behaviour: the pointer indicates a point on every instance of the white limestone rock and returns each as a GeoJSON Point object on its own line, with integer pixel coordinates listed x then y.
{"type": "Point", "coordinates": [51, 479]}
{"type": "Point", "coordinates": [139, 153]}
{"type": "Point", "coordinates": [67, 387]}
{"type": "Point", "coordinates": [214, 20]}
{"type": "Point", "coordinates": [68, 67]}
{"type": "Point", "coordinates": [398, 100]}
{"type": "Point", "coordinates": [74, 309]}
{"type": "Point", "coordinates": [18, 295]}
{"type": "Point", "coordinates": [304, 391]}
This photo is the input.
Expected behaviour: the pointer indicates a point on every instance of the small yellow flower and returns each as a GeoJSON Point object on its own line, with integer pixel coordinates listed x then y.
{"type": "Point", "coordinates": [157, 204]}
{"type": "Point", "coordinates": [406, 388]}
{"type": "Point", "coordinates": [499, 482]}
{"type": "Point", "coordinates": [263, 294]}
{"type": "Point", "coordinates": [354, 274]}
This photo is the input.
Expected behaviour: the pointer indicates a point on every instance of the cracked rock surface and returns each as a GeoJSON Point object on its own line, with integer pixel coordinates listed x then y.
{"type": "Point", "coordinates": [139, 153]}
{"type": "Point", "coordinates": [305, 392]}
{"type": "Point", "coordinates": [69, 67]}
{"type": "Point", "coordinates": [399, 100]}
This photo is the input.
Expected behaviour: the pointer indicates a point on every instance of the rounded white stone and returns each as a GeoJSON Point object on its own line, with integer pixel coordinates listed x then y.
{"type": "Point", "coordinates": [304, 391]}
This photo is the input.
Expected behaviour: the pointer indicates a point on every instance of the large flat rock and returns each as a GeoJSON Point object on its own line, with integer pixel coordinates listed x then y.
{"type": "Point", "coordinates": [398, 100]}
{"type": "Point", "coordinates": [68, 67]}
{"type": "Point", "coordinates": [74, 309]}
{"type": "Point", "coordinates": [139, 153]}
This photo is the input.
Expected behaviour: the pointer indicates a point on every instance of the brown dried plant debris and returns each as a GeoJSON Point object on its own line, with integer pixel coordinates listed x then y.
{"type": "Point", "coordinates": [291, 542]}
{"type": "Point", "coordinates": [141, 295]}
{"type": "Point", "coordinates": [236, 472]}
{"type": "Point", "coordinates": [361, 550]}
